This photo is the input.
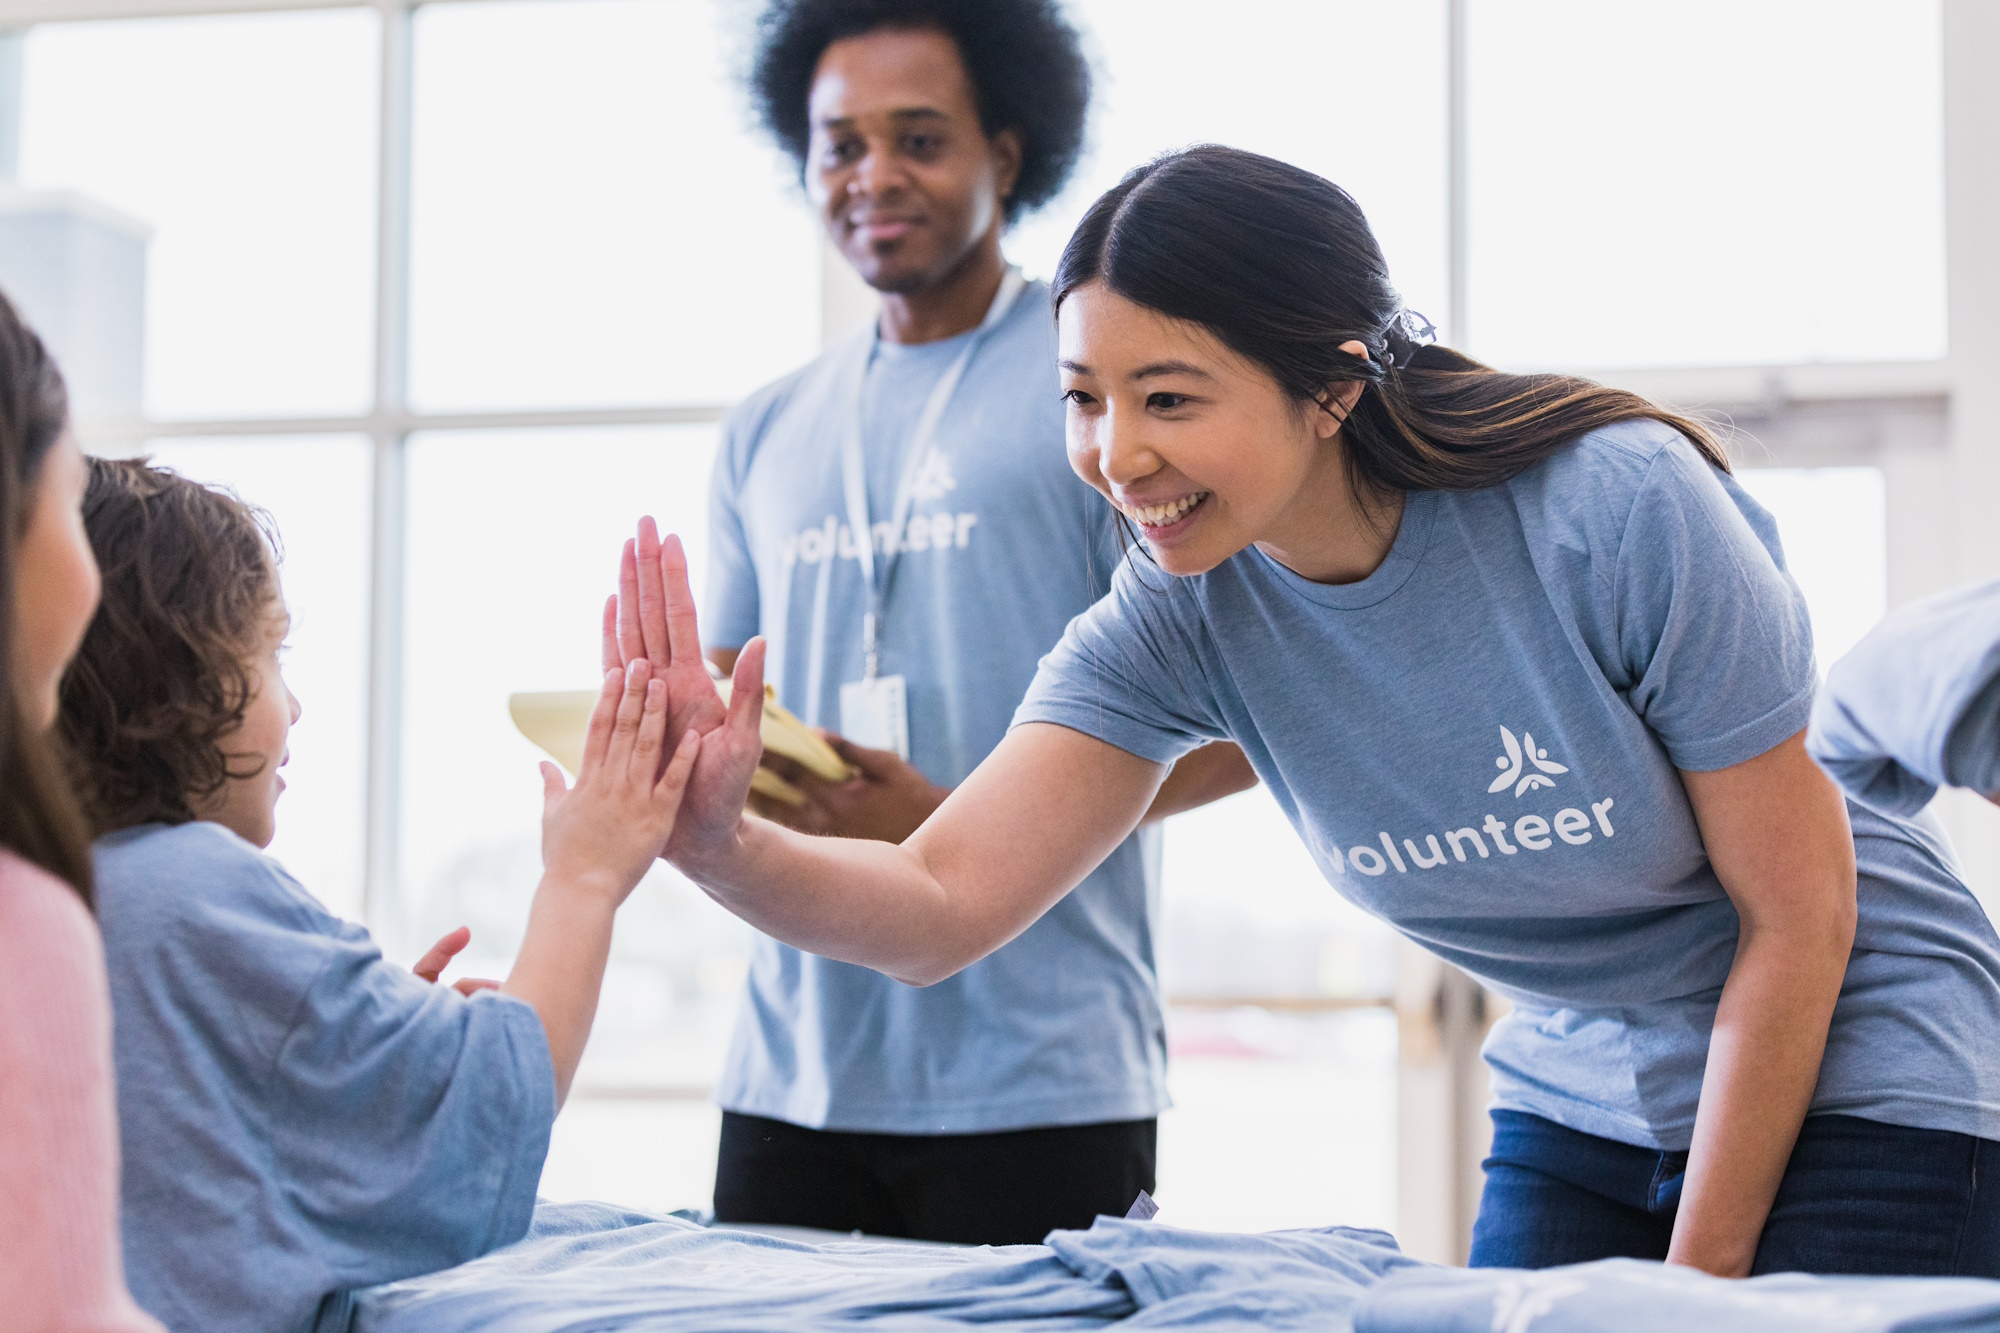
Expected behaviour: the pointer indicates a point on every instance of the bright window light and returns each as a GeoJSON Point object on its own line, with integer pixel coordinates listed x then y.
{"type": "Point", "coordinates": [1705, 183]}
{"type": "Point", "coordinates": [248, 145]}
{"type": "Point", "coordinates": [1245, 913]}
{"type": "Point", "coordinates": [594, 223]}
{"type": "Point", "coordinates": [1354, 91]}
{"type": "Point", "coordinates": [1834, 526]}
{"type": "Point", "coordinates": [316, 490]}
{"type": "Point", "coordinates": [513, 547]}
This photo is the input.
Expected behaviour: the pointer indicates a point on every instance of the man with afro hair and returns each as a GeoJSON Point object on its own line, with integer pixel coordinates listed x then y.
{"type": "Point", "coordinates": [899, 521]}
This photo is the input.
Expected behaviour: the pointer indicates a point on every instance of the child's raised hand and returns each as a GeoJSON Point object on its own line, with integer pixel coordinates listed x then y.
{"type": "Point", "coordinates": [602, 834]}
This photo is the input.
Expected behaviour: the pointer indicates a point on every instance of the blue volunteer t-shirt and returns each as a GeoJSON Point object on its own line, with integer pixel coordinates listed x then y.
{"type": "Point", "coordinates": [1916, 705]}
{"type": "Point", "coordinates": [1003, 547]}
{"type": "Point", "coordinates": [298, 1117]}
{"type": "Point", "coordinates": [1478, 743]}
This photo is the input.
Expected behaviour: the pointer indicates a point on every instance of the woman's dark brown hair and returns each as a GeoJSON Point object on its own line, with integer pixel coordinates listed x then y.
{"type": "Point", "coordinates": [39, 820]}
{"type": "Point", "coordinates": [190, 588]}
{"type": "Point", "coordinates": [1280, 265]}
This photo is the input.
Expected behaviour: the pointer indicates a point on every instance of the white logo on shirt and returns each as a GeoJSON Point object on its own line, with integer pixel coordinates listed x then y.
{"type": "Point", "coordinates": [933, 477]}
{"type": "Point", "coordinates": [1514, 764]}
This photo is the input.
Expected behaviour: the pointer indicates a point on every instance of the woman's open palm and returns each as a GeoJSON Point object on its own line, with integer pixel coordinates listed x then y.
{"type": "Point", "coordinates": [653, 617]}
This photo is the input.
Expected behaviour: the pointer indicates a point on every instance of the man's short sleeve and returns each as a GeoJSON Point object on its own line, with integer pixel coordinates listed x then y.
{"type": "Point", "coordinates": [1713, 632]}
{"type": "Point", "coordinates": [730, 614]}
{"type": "Point", "coordinates": [1131, 670]}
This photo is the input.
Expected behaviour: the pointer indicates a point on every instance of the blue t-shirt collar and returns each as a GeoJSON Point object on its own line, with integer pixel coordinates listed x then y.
{"type": "Point", "coordinates": [1413, 538]}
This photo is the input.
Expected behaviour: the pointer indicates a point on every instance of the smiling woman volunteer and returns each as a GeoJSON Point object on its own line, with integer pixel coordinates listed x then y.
{"type": "Point", "coordinates": [1522, 664]}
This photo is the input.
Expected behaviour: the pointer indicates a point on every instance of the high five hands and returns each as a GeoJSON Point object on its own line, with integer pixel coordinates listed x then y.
{"type": "Point", "coordinates": [653, 617]}
{"type": "Point", "coordinates": [887, 798]}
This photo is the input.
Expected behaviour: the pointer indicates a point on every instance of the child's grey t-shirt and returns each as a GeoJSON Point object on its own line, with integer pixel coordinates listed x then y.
{"type": "Point", "coordinates": [1916, 705]}
{"type": "Point", "coordinates": [1003, 547]}
{"type": "Point", "coordinates": [298, 1116]}
{"type": "Point", "coordinates": [1479, 742]}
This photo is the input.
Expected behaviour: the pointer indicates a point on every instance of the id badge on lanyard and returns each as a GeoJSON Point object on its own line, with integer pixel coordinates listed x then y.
{"type": "Point", "coordinates": [874, 710]}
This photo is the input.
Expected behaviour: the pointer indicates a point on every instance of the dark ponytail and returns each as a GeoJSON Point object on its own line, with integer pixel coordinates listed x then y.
{"type": "Point", "coordinates": [39, 817]}
{"type": "Point", "coordinates": [1280, 265]}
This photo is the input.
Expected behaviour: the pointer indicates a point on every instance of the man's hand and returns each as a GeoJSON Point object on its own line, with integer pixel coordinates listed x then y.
{"type": "Point", "coordinates": [886, 803]}
{"type": "Point", "coordinates": [431, 966]}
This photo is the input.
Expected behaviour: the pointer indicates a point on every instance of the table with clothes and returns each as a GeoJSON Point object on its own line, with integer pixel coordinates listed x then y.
{"type": "Point", "coordinates": [593, 1266]}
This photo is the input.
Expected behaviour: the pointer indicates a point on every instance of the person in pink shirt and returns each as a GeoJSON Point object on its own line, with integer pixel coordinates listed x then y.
{"type": "Point", "coordinates": [59, 1252]}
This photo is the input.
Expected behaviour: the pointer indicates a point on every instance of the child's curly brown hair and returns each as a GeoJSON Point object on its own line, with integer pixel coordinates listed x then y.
{"type": "Point", "coordinates": [190, 592]}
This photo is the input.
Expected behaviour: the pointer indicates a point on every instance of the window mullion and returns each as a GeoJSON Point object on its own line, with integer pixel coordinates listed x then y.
{"type": "Point", "coordinates": [390, 440]}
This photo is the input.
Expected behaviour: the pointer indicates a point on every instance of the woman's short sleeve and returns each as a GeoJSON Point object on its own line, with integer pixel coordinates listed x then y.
{"type": "Point", "coordinates": [1132, 671]}
{"type": "Point", "coordinates": [1715, 641]}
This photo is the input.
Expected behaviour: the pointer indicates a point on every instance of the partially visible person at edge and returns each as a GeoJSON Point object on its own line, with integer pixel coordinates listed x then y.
{"type": "Point", "coordinates": [59, 1250]}
{"type": "Point", "coordinates": [1021, 1095]}
{"type": "Point", "coordinates": [1522, 663]}
{"type": "Point", "coordinates": [1915, 705]}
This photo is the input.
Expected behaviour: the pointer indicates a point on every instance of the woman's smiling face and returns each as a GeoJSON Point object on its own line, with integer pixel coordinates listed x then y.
{"type": "Point", "coordinates": [1195, 444]}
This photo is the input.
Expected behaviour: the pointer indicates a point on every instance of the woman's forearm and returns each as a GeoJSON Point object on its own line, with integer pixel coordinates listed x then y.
{"type": "Point", "coordinates": [1044, 809]}
{"type": "Point", "coordinates": [874, 904]}
{"type": "Point", "coordinates": [1763, 1063]}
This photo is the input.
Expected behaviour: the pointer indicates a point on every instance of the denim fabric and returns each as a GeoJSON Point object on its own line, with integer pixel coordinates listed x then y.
{"type": "Point", "coordinates": [1858, 1196]}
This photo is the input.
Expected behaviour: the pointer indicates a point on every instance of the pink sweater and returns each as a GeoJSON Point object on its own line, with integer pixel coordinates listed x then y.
{"type": "Point", "coordinates": [59, 1252]}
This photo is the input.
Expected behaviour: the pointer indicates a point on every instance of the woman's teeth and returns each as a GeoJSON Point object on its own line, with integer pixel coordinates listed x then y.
{"type": "Point", "coordinates": [1158, 516]}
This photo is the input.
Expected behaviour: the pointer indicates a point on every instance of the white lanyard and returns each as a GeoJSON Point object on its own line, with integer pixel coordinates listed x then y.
{"type": "Point", "coordinates": [854, 471]}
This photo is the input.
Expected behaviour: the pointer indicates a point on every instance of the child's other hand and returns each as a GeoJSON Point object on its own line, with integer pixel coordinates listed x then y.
{"type": "Point", "coordinates": [601, 835]}
{"type": "Point", "coordinates": [432, 965]}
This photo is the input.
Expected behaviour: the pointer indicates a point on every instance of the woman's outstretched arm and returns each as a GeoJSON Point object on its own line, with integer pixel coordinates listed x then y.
{"type": "Point", "coordinates": [1044, 809]}
{"type": "Point", "coordinates": [1047, 806]}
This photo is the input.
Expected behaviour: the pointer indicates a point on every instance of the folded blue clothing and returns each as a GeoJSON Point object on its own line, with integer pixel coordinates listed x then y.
{"type": "Point", "coordinates": [1207, 1279]}
{"type": "Point", "coordinates": [1631, 1296]}
{"type": "Point", "coordinates": [1916, 705]}
{"type": "Point", "coordinates": [596, 1267]}
{"type": "Point", "coordinates": [593, 1266]}
{"type": "Point", "coordinates": [599, 1268]}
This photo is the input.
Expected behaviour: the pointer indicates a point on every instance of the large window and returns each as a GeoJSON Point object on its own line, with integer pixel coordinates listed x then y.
{"type": "Point", "coordinates": [459, 289]}
{"type": "Point", "coordinates": [1705, 183]}
{"type": "Point", "coordinates": [593, 223]}
{"type": "Point", "coordinates": [247, 145]}
{"type": "Point", "coordinates": [315, 488]}
{"type": "Point", "coordinates": [1350, 89]}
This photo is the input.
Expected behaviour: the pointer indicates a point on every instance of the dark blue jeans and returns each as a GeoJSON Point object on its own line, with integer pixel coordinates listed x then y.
{"type": "Point", "coordinates": [1857, 1197]}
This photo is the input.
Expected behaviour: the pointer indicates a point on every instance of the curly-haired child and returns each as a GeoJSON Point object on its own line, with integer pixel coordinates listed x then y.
{"type": "Point", "coordinates": [300, 1117]}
